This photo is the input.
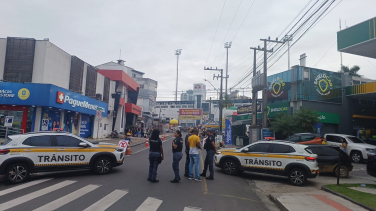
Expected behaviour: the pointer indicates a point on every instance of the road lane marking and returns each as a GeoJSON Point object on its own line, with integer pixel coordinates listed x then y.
{"type": "Point", "coordinates": [236, 197]}
{"type": "Point", "coordinates": [33, 195]}
{"type": "Point", "coordinates": [67, 198]}
{"type": "Point", "coordinates": [191, 209]}
{"type": "Point", "coordinates": [146, 148]}
{"type": "Point", "coordinates": [150, 204]}
{"type": "Point", "coordinates": [107, 201]}
{"type": "Point", "coordinates": [204, 184]}
{"type": "Point", "coordinates": [19, 187]}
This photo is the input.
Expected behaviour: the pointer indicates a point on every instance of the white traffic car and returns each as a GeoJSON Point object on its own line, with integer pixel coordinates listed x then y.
{"type": "Point", "coordinates": [357, 149]}
{"type": "Point", "coordinates": [271, 157]}
{"type": "Point", "coordinates": [29, 153]}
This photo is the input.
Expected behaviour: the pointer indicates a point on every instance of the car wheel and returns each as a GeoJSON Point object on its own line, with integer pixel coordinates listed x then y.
{"type": "Point", "coordinates": [102, 165]}
{"type": "Point", "coordinates": [17, 173]}
{"type": "Point", "coordinates": [297, 177]}
{"type": "Point", "coordinates": [356, 157]}
{"type": "Point", "coordinates": [343, 171]}
{"type": "Point", "coordinates": [230, 167]}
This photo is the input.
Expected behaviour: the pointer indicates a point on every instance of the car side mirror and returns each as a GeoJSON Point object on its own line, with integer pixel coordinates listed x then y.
{"type": "Point", "coordinates": [83, 144]}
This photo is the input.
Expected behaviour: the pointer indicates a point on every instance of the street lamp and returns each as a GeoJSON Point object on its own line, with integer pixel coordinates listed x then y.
{"type": "Point", "coordinates": [227, 46]}
{"type": "Point", "coordinates": [177, 53]}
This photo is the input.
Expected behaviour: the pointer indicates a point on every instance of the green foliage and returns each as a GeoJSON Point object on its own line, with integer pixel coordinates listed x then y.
{"type": "Point", "coordinates": [367, 199]}
{"type": "Point", "coordinates": [353, 71]}
{"type": "Point", "coordinates": [301, 121]}
{"type": "Point", "coordinates": [285, 124]}
{"type": "Point", "coordinates": [227, 102]}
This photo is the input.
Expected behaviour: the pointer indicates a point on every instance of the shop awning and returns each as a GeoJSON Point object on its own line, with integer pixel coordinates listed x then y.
{"type": "Point", "coordinates": [121, 76]}
{"type": "Point", "coordinates": [132, 108]}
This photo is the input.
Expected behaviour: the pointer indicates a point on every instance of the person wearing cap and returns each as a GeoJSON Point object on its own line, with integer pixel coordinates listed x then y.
{"type": "Point", "coordinates": [127, 137]}
{"type": "Point", "coordinates": [211, 150]}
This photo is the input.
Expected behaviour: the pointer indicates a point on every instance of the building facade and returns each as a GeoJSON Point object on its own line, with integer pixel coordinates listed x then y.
{"type": "Point", "coordinates": [45, 88]}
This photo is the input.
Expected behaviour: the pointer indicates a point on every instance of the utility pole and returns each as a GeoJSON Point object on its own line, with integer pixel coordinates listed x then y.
{"type": "Point", "coordinates": [265, 90]}
{"type": "Point", "coordinates": [227, 46]}
{"type": "Point", "coordinates": [287, 39]}
{"type": "Point", "coordinates": [340, 53]}
{"type": "Point", "coordinates": [220, 106]}
{"type": "Point", "coordinates": [254, 92]}
{"type": "Point", "coordinates": [177, 53]}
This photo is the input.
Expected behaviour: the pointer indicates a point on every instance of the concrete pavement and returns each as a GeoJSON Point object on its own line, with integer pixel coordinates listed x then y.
{"type": "Point", "coordinates": [126, 188]}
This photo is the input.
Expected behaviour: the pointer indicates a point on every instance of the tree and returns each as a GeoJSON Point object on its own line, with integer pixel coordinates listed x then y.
{"type": "Point", "coordinates": [353, 71]}
{"type": "Point", "coordinates": [306, 119]}
{"type": "Point", "coordinates": [284, 124]}
{"type": "Point", "coordinates": [301, 121]}
{"type": "Point", "coordinates": [227, 101]}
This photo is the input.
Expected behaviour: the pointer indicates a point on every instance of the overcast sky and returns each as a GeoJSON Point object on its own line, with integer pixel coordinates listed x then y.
{"type": "Point", "coordinates": [148, 32]}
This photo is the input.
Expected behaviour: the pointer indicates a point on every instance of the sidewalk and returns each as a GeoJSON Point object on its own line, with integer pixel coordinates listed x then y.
{"type": "Point", "coordinates": [313, 201]}
{"type": "Point", "coordinates": [135, 140]}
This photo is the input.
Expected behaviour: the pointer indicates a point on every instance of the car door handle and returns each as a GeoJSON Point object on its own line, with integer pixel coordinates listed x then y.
{"type": "Point", "coordinates": [28, 150]}
{"type": "Point", "coordinates": [61, 149]}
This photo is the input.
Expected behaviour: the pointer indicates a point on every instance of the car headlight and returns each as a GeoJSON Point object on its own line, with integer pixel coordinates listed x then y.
{"type": "Point", "coordinates": [369, 149]}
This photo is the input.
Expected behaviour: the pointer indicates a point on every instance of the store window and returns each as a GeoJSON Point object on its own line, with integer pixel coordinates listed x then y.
{"type": "Point", "coordinates": [50, 120]}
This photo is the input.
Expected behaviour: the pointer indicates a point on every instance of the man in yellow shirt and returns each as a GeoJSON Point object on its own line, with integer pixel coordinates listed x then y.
{"type": "Point", "coordinates": [194, 156]}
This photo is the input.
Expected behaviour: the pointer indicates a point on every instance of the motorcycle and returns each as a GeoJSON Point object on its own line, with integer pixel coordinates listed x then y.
{"type": "Point", "coordinates": [114, 134]}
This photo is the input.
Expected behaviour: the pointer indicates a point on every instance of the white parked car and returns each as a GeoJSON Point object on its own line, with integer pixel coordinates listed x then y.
{"type": "Point", "coordinates": [357, 149]}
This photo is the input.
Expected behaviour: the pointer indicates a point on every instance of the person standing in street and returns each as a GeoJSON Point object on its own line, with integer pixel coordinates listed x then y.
{"type": "Point", "coordinates": [155, 155]}
{"type": "Point", "coordinates": [177, 147]}
{"type": "Point", "coordinates": [194, 156]}
{"type": "Point", "coordinates": [186, 172]}
{"type": "Point", "coordinates": [210, 152]}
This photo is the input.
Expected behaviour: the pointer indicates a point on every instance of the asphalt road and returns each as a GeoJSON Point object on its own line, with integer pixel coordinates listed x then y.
{"type": "Point", "coordinates": [126, 188]}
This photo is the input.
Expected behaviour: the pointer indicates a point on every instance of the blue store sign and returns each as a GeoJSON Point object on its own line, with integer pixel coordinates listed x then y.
{"type": "Point", "coordinates": [228, 132]}
{"type": "Point", "coordinates": [48, 95]}
{"type": "Point", "coordinates": [85, 127]}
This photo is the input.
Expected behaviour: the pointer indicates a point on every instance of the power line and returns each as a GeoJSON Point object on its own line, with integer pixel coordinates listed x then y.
{"type": "Point", "coordinates": [325, 53]}
{"type": "Point", "coordinates": [220, 17]}
{"type": "Point", "coordinates": [227, 31]}
{"type": "Point", "coordinates": [243, 20]}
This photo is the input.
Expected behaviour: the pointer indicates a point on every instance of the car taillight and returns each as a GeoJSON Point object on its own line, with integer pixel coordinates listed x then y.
{"type": "Point", "coordinates": [4, 151]}
{"type": "Point", "coordinates": [312, 159]}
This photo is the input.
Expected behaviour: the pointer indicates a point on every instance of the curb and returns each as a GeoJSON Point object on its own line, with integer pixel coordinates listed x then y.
{"type": "Point", "coordinates": [345, 197]}
{"type": "Point", "coordinates": [277, 203]}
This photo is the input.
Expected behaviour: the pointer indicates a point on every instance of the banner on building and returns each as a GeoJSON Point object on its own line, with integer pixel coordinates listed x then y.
{"type": "Point", "coordinates": [190, 114]}
{"type": "Point", "coordinates": [228, 133]}
{"type": "Point", "coordinates": [248, 109]}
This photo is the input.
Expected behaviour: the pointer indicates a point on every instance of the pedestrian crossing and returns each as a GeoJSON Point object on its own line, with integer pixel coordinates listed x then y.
{"type": "Point", "coordinates": [105, 203]}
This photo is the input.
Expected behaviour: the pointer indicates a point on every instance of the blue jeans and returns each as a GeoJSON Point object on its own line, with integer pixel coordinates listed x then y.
{"type": "Point", "coordinates": [153, 164]}
{"type": "Point", "coordinates": [175, 164]}
{"type": "Point", "coordinates": [209, 159]}
{"type": "Point", "coordinates": [194, 160]}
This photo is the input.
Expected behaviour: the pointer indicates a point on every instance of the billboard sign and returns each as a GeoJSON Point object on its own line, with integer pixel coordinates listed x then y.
{"type": "Point", "coordinates": [190, 112]}
{"type": "Point", "coordinates": [248, 109]}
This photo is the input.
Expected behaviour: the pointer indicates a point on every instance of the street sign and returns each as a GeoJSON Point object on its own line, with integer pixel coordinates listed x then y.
{"type": "Point", "coordinates": [124, 144]}
{"type": "Point", "coordinates": [266, 132]}
{"type": "Point", "coordinates": [8, 121]}
{"type": "Point", "coordinates": [99, 113]}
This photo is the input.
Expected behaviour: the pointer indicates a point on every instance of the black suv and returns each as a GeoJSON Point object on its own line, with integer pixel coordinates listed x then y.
{"type": "Point", "coordinates": [327, 158]}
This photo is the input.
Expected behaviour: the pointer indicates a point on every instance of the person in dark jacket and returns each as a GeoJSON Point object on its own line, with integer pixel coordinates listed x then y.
{"type": "Point", "coordinates": [186, 172]}
{"type": "Point", "coordinates": [211, 150]}
{"type": "Point", "coordinates": [177, 147]}
{"type": "Point", "coordinates": [155, 155]}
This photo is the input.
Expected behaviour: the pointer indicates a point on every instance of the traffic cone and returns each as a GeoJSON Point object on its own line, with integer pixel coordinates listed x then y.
{"type": "Point", "coordinates": [128, 152]}
{"type": "Point", "coordinates": [147, 143]}
{"type": "Point", "coordinates": [162, 138]}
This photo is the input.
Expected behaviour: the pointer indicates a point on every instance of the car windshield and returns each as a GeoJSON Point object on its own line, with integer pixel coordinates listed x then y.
{"type": "Point", "coordinates": [356, 140]}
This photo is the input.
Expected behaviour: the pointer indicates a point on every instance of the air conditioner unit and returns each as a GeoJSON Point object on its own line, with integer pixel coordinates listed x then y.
{"type": "Point", "coordinates": [98, 97]}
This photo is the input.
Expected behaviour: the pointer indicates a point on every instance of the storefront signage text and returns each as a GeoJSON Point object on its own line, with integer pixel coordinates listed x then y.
{"type": "Point", "coordinates": [277, 87]}
{"type": "Point", "coordinates": [6, 93]}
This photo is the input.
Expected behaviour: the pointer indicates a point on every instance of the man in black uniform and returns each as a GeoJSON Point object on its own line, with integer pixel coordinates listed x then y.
{"type": "Point", "coordinates": [155, 155]}
{"type": "Point", "coordinates": [186, 172]}
{"type": "Point", "coordinates": [211, 150]}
